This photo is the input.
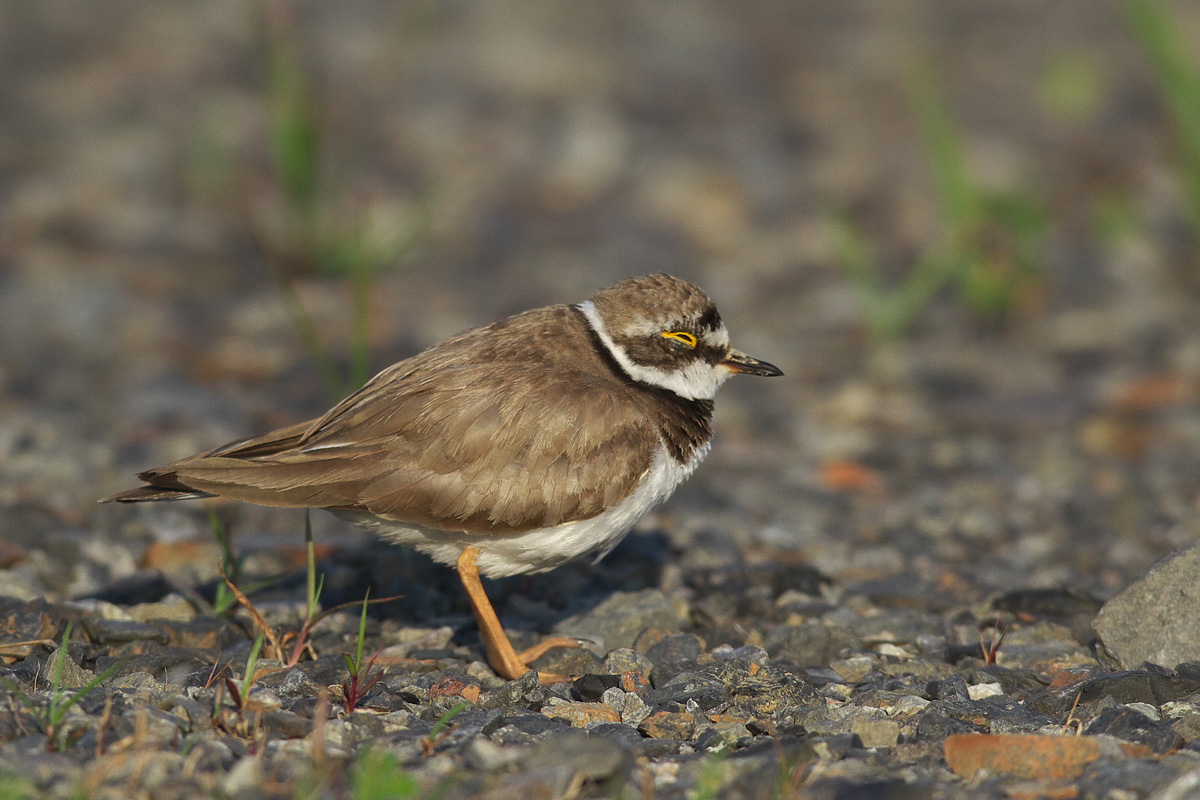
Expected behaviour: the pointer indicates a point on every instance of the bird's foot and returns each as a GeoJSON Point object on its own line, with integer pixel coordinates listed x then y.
{"type": "Point", "coordinates": [511, 665]}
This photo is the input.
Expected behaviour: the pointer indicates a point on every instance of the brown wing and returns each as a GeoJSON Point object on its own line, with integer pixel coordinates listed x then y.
{"type": "Point", "coordinates": [502, 429]}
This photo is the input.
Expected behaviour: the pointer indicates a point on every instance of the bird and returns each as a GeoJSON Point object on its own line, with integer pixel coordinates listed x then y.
{"type": "Point", "coordinates": [506, 449]}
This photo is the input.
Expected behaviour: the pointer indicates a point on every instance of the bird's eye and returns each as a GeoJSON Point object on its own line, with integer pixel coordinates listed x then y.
{"type": "Point", "coordinates": [683, 337]}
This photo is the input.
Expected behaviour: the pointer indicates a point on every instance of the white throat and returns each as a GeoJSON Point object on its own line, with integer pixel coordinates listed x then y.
{"type": "Point", "coordinates": [697, 381]}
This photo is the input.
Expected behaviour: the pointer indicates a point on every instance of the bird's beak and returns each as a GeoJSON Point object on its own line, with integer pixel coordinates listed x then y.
{"type": "Point", "coordinates": [738, 361]}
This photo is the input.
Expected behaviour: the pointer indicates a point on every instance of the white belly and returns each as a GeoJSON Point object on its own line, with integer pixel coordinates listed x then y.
{"type": "Point", "coordinates": [545, 548]}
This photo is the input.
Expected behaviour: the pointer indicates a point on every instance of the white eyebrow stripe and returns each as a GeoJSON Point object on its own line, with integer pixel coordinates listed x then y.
{"type": "Point", "coordinates": [697, 381]}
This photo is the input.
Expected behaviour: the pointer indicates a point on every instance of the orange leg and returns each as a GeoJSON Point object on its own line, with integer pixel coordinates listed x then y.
{"type": "Point", "coordinates": [507, 662]}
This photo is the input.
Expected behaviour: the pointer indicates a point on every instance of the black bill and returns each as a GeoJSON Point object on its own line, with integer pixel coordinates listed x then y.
{"type": "Point", "coordinates": [738, 361]}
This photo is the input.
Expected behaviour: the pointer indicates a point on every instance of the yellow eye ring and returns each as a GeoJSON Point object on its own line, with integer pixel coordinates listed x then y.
{"type": "Point", "coordinates": [680, 336]}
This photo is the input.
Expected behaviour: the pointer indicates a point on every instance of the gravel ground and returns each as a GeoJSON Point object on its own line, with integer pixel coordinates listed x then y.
{"type": "Point", "coordinates": [881, 584]}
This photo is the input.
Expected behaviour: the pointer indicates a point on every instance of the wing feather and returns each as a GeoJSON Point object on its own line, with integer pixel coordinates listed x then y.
{"type": "Point", "coordinates": [515, 426]}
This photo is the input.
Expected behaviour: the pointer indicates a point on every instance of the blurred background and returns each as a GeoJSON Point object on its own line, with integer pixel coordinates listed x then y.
{"type": "Point", "coordinates": [966, 231]}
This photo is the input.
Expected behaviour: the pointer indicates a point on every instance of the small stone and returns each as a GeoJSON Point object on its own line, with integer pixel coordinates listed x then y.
{"type": "Point", "coordinates": [979, 691]}
{"type": "Point", "coordinates": [454, 688]}
{"type": "Point", "coordinates": [952, 688]}
{"type": "Point", "coordinates": [204, 633]}
{"type": "Point", "coordinates": [876, 732]}
{"type": "Point", "coordinates": [285, 724]}
{"type": "Point", "coordinates": [174, 608]}
{"type": "Point", "coordinates": [677, 725]}
{"type": "Point", "coordinates": [191, 560]}
{"type": "Point", "coordinates": [722, 736]}
{"type": "Point", "coordinates": [136, 680]}
{"type": "Point", "coordinates": [854, 669]}
{"type": "Point", "coordinates": [73, 675]}
{"type": "Point", "coordinates": [634, 682]}
{"type": "Point", "coordinates": [673, 654]}
{"type": "Point", "coordinates": [697, 689]}
{"type": "Point", "coordinates": [261, 698]}
{"type": "Point", "coordinates": [635, 709]}
{"type": "Point", "coordinates": [910, 704]}
{"type": "Point", "coordinates": [486, 756]}
{"type": "Point", "coordinates": [22, 621]}
{"type": "Point", "coordinates": [114, 632]}
{"type": "Point", "coordinates": [1146, 710]}
{"type": "Point", "coordinates": [1187, 727]}
{"type": "Point", "coordinates": [625, 660]}
{"type": "Point", "coordinates": [1133, 779]}
{"type": "Point", "coordinates": [614, 698]}
{"type": "Point", "coordinates": [296, 684]}
{"type": "Point", "coordinates": [592, 687]}
{"type": "Point", "coordinates": [589, 757]}
{"type": "Point", "coordinates": [808, 644]}
{"type": "Point", "coordinates": [568, 661]}
{"type": "Point", "coordinates": [579, 715]}
{"type": "Point", "coordinates": [243, 779]}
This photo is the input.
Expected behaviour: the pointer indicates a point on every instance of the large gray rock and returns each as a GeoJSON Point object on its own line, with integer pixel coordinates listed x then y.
{"type": "Point", "coordinates": [1157, 618]}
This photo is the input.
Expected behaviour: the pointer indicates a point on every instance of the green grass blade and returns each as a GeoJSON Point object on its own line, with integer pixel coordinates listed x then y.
{"type": "Point", "coordinates": [248, 680]}
{"type": "Point", "coordinates": [445, 719]}
{"type": "Point", "coordinates": [362, 633]}
{"type": "Point", "coordinates": [83, 691]}
{"type": "Point", "coordinates": [312, 592]}
{"type": "Point", "coordinates": [956, 193]}
{"type": "Point", "coordinates": [60, 657]}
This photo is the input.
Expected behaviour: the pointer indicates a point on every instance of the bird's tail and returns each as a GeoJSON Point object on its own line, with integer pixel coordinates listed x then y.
{"type": "Point", "coordinates": [144, 494]}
